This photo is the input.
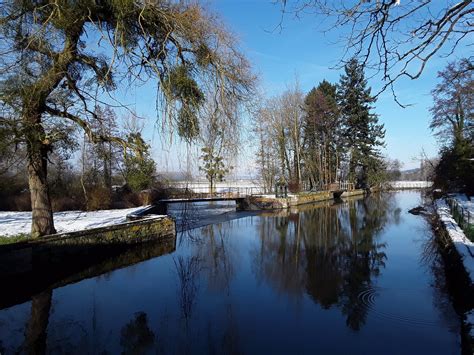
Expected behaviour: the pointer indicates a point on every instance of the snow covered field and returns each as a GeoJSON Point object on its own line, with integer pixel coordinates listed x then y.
{"type": "Point", "coordinates": [463, 245]}
{"type": "Point", "coordinates": [14, 223]}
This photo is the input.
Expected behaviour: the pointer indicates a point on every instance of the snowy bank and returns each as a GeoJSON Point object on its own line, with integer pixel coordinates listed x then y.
{"type": "Point", "coordinates": [14, 223]}
{"type": "Point", "coordinates": [462, 244]}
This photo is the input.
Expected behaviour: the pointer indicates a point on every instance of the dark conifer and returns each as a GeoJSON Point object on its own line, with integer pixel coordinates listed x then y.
{"type": "Point", "coordinates": [362, 132]}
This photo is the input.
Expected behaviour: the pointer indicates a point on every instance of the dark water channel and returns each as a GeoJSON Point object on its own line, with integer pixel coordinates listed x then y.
{"type": "Point", "coordinates": [361, 276]}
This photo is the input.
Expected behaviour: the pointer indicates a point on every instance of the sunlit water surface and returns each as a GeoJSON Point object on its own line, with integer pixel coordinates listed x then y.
{"type": "Point", "coordinates": [361, 276]}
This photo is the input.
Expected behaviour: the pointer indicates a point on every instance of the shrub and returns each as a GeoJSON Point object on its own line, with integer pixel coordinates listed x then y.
{"type": "Point", "coordinates": [22, 202]}
{"type": "Point", "coordinates": [294, 186]}
{"type": "Point", "coordinates": [67, 203]}
{"type": "Point", "coordinates": [99, 198]}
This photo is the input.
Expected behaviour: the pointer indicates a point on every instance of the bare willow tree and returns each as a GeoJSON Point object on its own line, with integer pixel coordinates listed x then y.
{"type": "Point", "coordinates": [397, 38]}
{"type": "Point", "coordinates": [58, 59]}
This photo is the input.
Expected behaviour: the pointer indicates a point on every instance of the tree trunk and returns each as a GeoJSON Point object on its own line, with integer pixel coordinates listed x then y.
{"type": "Point", "coordinates": [37, 148]}
{"type": "Point", "coordinates": [211, 186]}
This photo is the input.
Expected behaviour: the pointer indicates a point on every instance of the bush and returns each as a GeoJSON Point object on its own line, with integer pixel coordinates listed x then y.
{"type": "Point", "coordinates": [125, 200]}
{"type": "Point", "coordinates": [22, 202]}
{"type": "Point", "coordinates": [66, 203]}
{"type": "Point", "coordinates": [152, 196]}
{"type": "Point", "coordinates": [455, 170]}
{"type": "Point", "coordinates": [294, 186]}
{"type": "Point", "coordinates": [99, 198]}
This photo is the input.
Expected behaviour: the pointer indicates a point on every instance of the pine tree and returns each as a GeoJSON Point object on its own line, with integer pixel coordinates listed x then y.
{"type": "Point", "coordinates": [362, 133]}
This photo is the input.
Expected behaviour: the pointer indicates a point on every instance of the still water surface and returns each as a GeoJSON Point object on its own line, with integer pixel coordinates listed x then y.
{"type": "Point", "coordinates": [361, 276]}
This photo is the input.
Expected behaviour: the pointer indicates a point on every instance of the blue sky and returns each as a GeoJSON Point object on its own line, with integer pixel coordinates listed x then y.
{"type": "Point", "coordinates": [300, 49]}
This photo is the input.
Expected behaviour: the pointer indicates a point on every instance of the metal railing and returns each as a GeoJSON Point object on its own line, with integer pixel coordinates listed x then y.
{"type": "Point", "coordinates": [463, 216]}
{"type": "Point", "coordinates": [336, 186]}
{"type": "Point", "coordinates": [228, 191]}
{"type": "Point", "coordinates": [203, 191]}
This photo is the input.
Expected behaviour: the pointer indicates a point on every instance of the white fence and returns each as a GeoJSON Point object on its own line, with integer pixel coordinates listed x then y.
{"type": "Point", "coordinates": [410, 184]}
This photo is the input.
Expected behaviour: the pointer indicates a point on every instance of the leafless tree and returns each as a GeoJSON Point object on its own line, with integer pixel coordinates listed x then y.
{"type": "Point", "coordinates": [397, 38]}
{"type": "Point", "coordinates": [453, 109]}
{"type": "Point", "coordinates": [279, 132]}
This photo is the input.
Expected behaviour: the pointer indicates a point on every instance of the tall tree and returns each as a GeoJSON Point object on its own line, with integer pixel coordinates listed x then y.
{"type": "Point", "coordinates": [139, 167]}
{"type": "Point", "coordinates": [266, 156]}
{"type": "Point", "coordinates": [362, 132]}
{"type": "Point", "coordinates": [58, 58]}
{"type": "Point", "coordinates": [453, 103]}
{"type": "Point", "coordinates": [280, 133]}
{"type": "Point", "coordinates": [453, 122]}
{"type": "Point", "coordinates": [106, 151]}
{"type": "Point", "coordinates": [322, 134]}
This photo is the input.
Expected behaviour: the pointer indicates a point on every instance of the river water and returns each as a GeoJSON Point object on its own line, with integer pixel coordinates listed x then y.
{"type": "Point", "coordinates": [358, 276]}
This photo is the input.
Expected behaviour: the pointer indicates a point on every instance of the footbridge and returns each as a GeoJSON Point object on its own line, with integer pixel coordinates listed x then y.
{"type": "Point", "coordinates": [237, 194]}
{"type": "Point", "coordinates": [161, 207]}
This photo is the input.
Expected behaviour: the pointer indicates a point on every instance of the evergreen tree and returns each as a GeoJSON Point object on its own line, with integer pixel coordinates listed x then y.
{"type": "Point", "coordinates": [139, 166]}
{"type": "Point", "coordinates": [362, 133]}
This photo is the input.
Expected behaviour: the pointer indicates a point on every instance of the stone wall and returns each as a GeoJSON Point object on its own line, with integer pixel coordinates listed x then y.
{"type": "Point", "coordinates": [32, 266]}
{"type": "Point", "coordinates": [304, 198]}
{"type": "Point", "coordinates": [357, 192]}
{"type": "Point", "coordinates": [268, 203]}
{"type": "Point", "coordinates": [55, 249]}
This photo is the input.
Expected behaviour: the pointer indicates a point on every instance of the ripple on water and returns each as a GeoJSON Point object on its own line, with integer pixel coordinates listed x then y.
{"type": "Point", "coordinates": [368, 298]}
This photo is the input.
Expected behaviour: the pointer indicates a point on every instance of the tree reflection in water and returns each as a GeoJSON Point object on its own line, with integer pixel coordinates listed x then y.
{"type": "Point", "coordinates": [218, 259]}
{"type": "Point", "coordinates": [35, 337]}
{"type": "Point", "coordinates": [188, 269]}
{"type": "Point", "coordinates": [136, 337]}
{"type": "Point", "coordinates": [331, 253]}
{"type": "Point", "coordinates": [229, 287]}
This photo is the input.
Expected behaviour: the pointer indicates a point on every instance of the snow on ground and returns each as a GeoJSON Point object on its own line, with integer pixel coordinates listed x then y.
{"type": "Point", "coordinates": [463, 245]}
{"type": "Point", "coordinates": [14, 223]}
